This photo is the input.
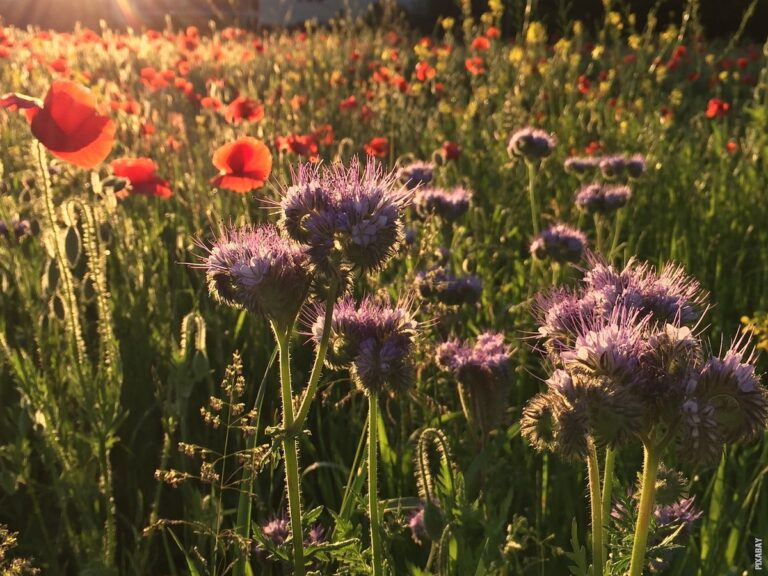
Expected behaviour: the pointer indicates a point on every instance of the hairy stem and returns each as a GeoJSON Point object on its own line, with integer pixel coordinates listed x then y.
{"type": "Point", "coordinates": [322, 349]}
{"type": "Point", "coordinates": [593, 469]}
{"type": "Point", "coordinates": [610, 460]}
{"type": "Point", "coordinates": [532, 197]}
{"type": "Point", "coordinates": [645, 510]}
{"type": "Point", "coordinates": [290, 450]}
{"type": "Point", "coordinates": [373, 501]}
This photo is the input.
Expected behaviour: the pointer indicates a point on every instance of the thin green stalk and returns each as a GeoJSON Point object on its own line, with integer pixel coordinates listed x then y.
{"type": "Point", "coordinates": [356, 470]}
{"type": "Point", "coordinates": [373, 500]}
{"type": "Point", "coordinates": [322, 349]}
{"type": "Point", "coordinates": [610, 461]}
{"type": "Point", "coordinates": [593, 469]}
{"type": "Point", "coordinates": [532, 197]}
{"type": "Point", "coordinates": [290, 450]}
{"type": "Point", "coordinates": [599, 233]}
{"type": "Point", "coordinates": [645, 510]}
{"type": "Point", "coordinates": [245, 502]}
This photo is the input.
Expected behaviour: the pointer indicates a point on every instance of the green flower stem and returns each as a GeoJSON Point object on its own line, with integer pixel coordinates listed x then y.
{"type": "Point", "coordinates": [322, 349]}
{"type": "Point", "coordinates": [290, 448]}
{"type": "Point", "coordinates": [593, 469]}
{"type": "Point", "coordinates": [610, 461]}
{"type": "Point", "coordinates": [373, 501]}
{"type": "Point", "coordinates": [532, 197]}
{"type": "Point", "coordinates": [645, 511]}
{"type": "Point", "coordinates": [245, 501]}
{"type": "Point", "coordinates": [599, 233]}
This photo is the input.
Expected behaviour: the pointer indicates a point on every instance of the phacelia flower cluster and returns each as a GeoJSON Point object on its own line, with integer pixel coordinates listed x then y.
{"type": "Point", "coordinates": [348, 217]}
{"type": "Point", "coordinates": [438, 284]}
{"type": "Point", "coordinates": [599, 199]}
{"type": "Point", "coordinates": [531, 144]}
{"type": "Point", "coordinates": [374, 340]}
{"type": "Point", "coordinates": [450, 204]}
{"type": "Point", "coordinates": [260, 270]}
{"type": "Point", "coordinates": [483, 375]}
{"type": "Point", "coordinates": [628, 361]}
{"type": "Point", "coordinates": [416, 174]}
{"type": "Point", "coordinates": [617, 166]}
{"type": "Point", "coordinates": [560, 243]}
{"type": "Point", "coordinates": [611, 167]}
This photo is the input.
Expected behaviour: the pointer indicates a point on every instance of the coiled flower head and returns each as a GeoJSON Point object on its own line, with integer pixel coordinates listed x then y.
{"type": "Point", "coordinates": [483, 375]}
{"type": "Point", "coordinates": [374, 340]}
{"type": "Point", "coordinates": [581, 165]}
{"type": "Point", "coordinates": [531, 144]}
{"type": "Point", "coordinates": [595, 198]}
{"type": "Point", "coordinates": [349, 216]}
{"type": "Point", "coordinates": [259, 270]}
{"type": "Point", "coordinates": [416, 174]}
{"type": "Point", "coordinates": [444, 287]}
{"type": "Point", "coordinates": [448, 204]}
{"type": "Point", "coordinates": [560, 243]}
{"type": "Point", "coordinates": [629, 360]}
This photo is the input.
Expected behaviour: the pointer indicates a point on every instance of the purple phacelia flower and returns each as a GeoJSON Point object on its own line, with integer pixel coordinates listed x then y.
{"type": "Point", "coordinates": [596, 198]}
{"type": "Point", "coordinates": [615, 166]}
{"type": "Point", "coordinates": [20, 227]}
{"type": "Point", "coordinates": [416, 524]}
{"type": "Point", "coordinates": [348, 216]}
{"type": "Point", "coordinates": [444, 287]}
{"type": "Point", "coordinates": [316, 535]}
{"type": "Point", "coordinates": [416, 174]}
{"type": "Point", "coordinates": [373, 339]}
{"type": "Point", "coordinates": [259, 270]}
{"type": "Point", "coordinates": [530, 143]}
{"type": "Point", "coordinates": [483, 375]}
{"type": "Point", "coordinates": [668, 296]}
{"type": "Point", "coordinates": [683, 512]}
{"type": "Point", "coordinates": [277, 530]}
{"type": "Point", "coordinates": [560, 243]}
{"type": "Point", "coordinates": [581, 165]}
{"type": "Point", "coordinates": [636, 166]}
{"type": "Point", "coordinates": [448, 204]}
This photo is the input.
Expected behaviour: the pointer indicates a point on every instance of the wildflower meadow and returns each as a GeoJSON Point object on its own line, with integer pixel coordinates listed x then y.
{"type": "Point", "coordinates": [354, 299]}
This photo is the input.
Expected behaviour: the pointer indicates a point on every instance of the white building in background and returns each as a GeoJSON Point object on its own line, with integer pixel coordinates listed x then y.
{"type": "Point", "coordinates": [289, 12]}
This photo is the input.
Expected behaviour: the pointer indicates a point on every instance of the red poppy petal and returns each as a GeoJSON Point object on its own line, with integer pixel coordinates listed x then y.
{"type": "Point", "coordinates": [15, 101]}
{"type": "Point", "coordinates": [71, 128]}
{"type": "Point", "coordinates": [236, 183]}
{"type": "Point", "coordinates": [135, 169]}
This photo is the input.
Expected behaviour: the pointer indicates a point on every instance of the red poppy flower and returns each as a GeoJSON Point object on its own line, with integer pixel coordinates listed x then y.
{"type": "Point", "coordinates": [424, 72]}
{"type": "Point", "coordinates": [377, 147]}
{"type": "Point", "coordinates": [731, 146]}
{"type": "Point", "coordinates": [68, 123]}
{"type": "Point", "coordinates": [475, 65]}
{"type": "Point", "coordinates": [717, 108]}
{"type": "Point", "coordinates": [481, 44]}
{"type": "Point", "coordinates": [301, 145]}
{"type": "Point", "coordinates": [242, 108]}
{"type": "Point", "coordinates": [450, 150]}
{"type": "Point", "coordinates": [348, 103]}
{"type": "Point", "coordinates": [243, 165]}
{"type": "Point", "coordinates": [141, 173]}
{"type": "Point", "coordinates": [493, 32]}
